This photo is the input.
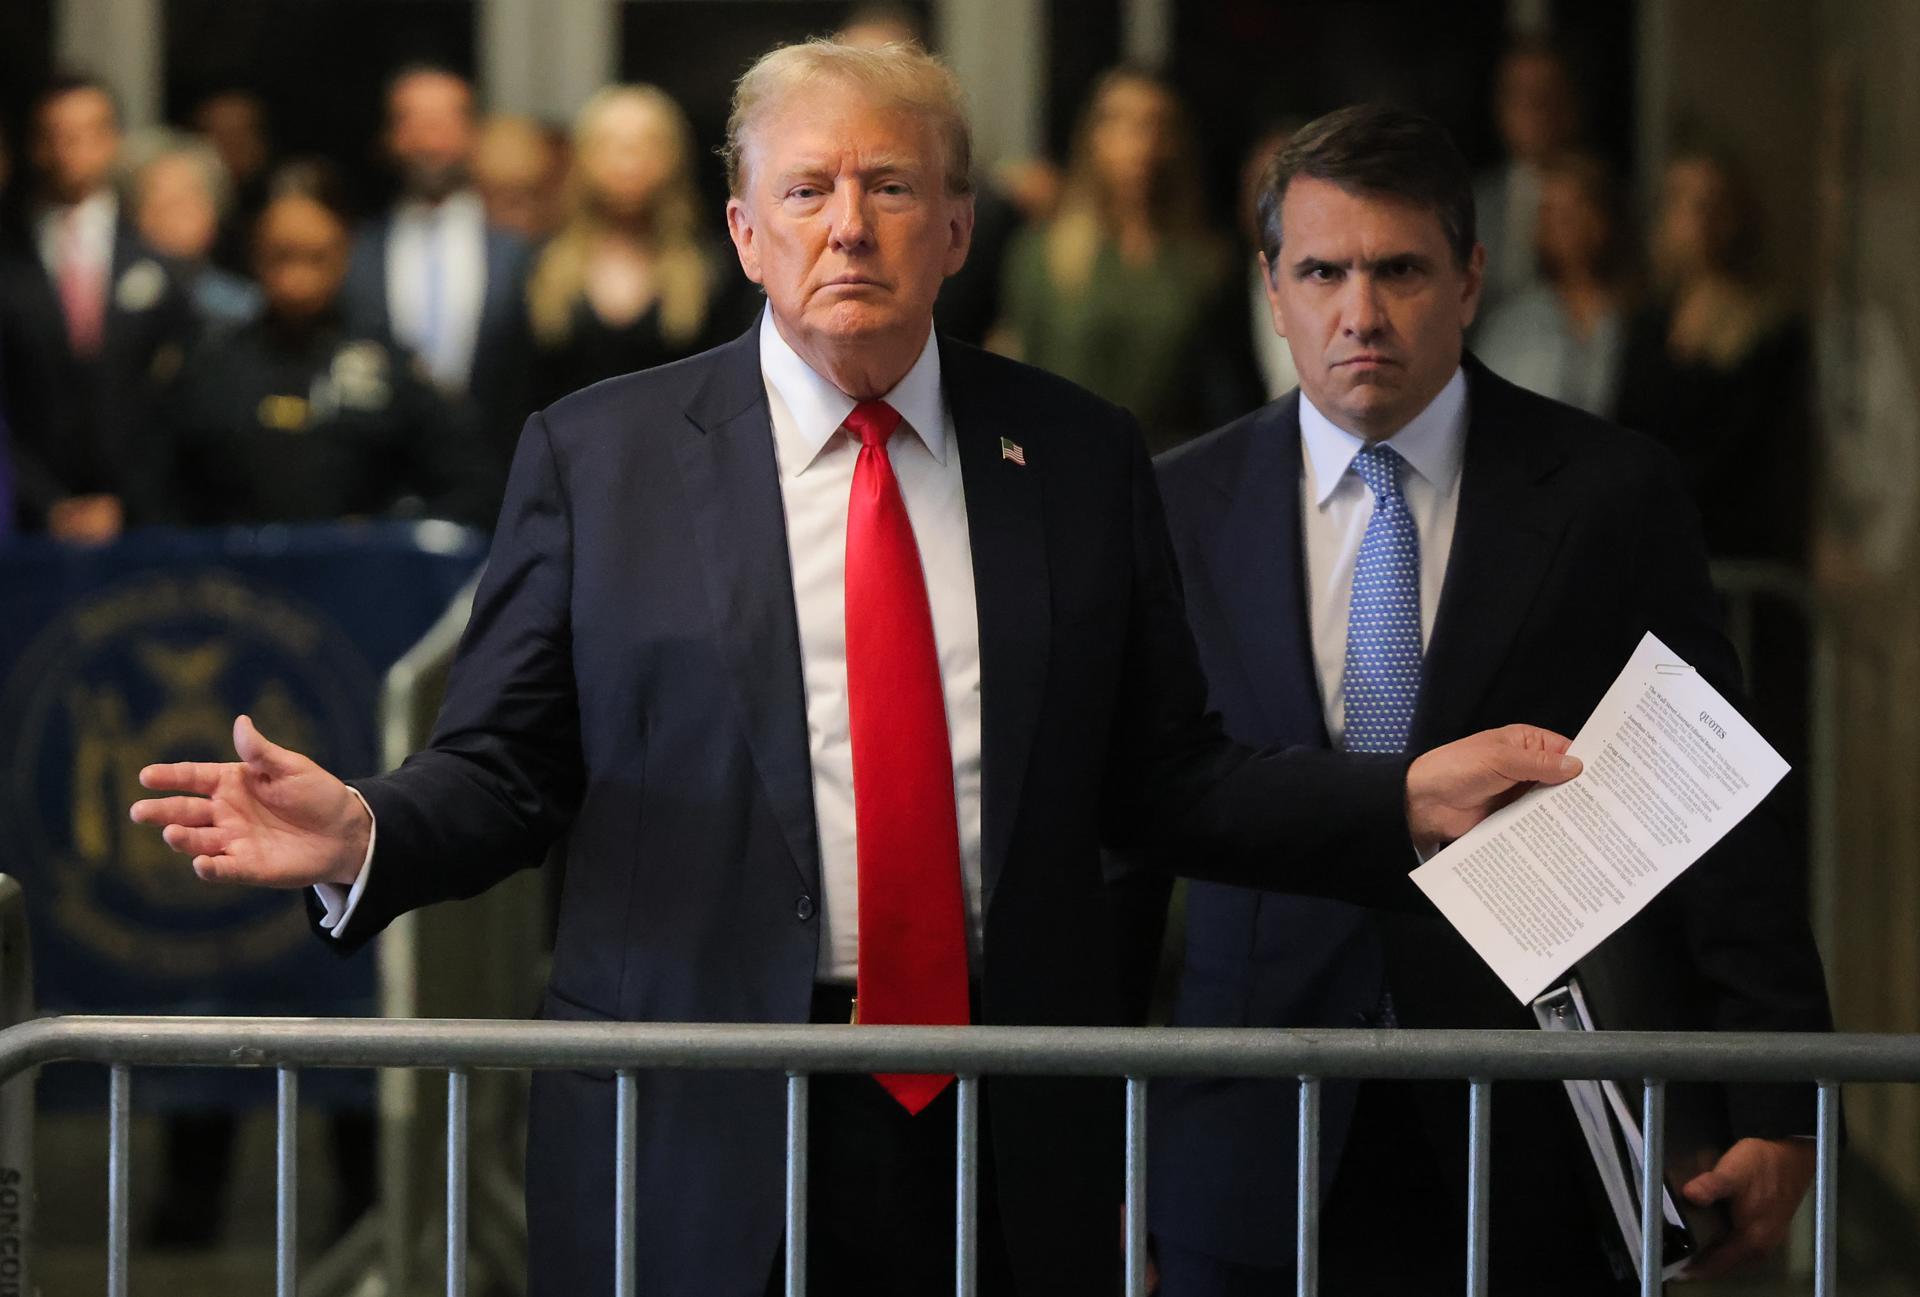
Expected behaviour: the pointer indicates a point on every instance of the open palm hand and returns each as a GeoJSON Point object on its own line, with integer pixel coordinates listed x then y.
{"type": "Point", "coordinates": [271, 819]}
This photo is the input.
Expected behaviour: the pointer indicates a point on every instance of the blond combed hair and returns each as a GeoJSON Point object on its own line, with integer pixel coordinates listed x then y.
{"type": "Point", "coordinates": [682, 268]}
{"type": "Point", "coordinates": [898, 75]}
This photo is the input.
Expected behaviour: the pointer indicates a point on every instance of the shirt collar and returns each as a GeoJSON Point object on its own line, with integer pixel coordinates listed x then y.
{"type": "Point", "coordinates": [1432, 443]}
{"type": "Point", "coordinates": [97, 211]}
{"type": "Point", "coordinates": [461, 205]}
{"type": "Point", "coordinates": [816, 408]}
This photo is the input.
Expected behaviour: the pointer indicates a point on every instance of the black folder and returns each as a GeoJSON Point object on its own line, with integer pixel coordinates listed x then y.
{"type": "Point", "coordinates": [1639, 980]}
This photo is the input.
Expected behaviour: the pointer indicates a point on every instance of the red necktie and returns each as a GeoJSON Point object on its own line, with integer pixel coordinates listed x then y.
{"type": "Point", "coordinates": [80, 295]}
{"type": "Point", "coordinates": [913, 936]}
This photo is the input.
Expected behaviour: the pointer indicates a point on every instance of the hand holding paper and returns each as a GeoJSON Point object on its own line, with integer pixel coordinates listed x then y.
{"type": "Point", "coordinates": [1670, 767]}
{"type": "Point", "coordinates": [1455, 786]}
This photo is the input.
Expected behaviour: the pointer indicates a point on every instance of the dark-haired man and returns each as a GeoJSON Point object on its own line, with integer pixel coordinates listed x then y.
{"type": "Point", "coordinates": [234, 121]}
{"type": "Point", "coordinates": [1537, 114]}
{"type": "Point", "coordinates": [434, 272]}
{"type": "Point", "coordinates": [92, 321]}
{"type": "Point", "coordinates": [1402, 548]}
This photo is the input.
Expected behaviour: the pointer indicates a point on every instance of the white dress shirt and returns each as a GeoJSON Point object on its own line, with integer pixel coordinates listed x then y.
{"type": "Point", "coordinates": [815, 457]}
{"type": "Point", "coordinates": [1335, 506]}
{"type": "Point", "coordinates": [437, 283]}
{"type": "Point", "coordinates": [94, 221]}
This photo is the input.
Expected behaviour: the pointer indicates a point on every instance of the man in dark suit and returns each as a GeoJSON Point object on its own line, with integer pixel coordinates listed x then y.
{"type": "Point", "coordinates": [92, 323]}
{"type": "Point", "coordinates": [835, 653]}
{"type": "Point", "coordinates": [1383, 559]}
{"type": "Point", "coordinates": [434, 272]}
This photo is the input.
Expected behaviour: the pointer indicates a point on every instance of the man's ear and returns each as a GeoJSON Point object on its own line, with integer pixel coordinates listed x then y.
{"type": "Point", "coordinates": [960, 233]}
{"type": "Point", "coordinates": [1272, 290]}
{"type": "Point", "coordinates": [740, 230]}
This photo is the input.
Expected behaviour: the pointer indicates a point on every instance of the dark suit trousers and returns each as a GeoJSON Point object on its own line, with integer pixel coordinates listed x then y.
{"type": "Point", "coordinates": [880, 1201]}
{"type": "Point", "coordinates": [1393, 1225]}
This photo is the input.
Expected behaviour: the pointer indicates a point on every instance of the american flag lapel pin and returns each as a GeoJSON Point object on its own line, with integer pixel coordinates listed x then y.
{"type": "Point", "coordinates": [1011, 449]}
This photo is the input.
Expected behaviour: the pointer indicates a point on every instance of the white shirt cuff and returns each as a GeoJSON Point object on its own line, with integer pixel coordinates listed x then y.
{"type": "Point", "coordinates": [339, 902]}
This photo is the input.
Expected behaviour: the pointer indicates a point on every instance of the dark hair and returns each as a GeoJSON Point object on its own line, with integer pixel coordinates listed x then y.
{"type": "Point", "coordinates": [1375, 149]}
{"type": "Point", "coordinates": [1595, 181]}
{"type": "Point", "coordinates": [1740, 250]}
{"type": "Point", "coordinates": [315, 179]}
{"type": "Point", "coordinates": [71, 81]}
{"type": "Point", "coordinates": [1537, 47]}
{"type": "Point", "coordinates": [231, 90]}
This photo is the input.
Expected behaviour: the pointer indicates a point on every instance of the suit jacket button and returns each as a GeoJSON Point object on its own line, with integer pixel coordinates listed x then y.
{"type": "Point", "coordinates": [803, 909]}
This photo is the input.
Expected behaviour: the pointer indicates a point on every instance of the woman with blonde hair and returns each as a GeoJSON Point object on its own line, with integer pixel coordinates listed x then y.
{"type": "Point", "coordinates": [1115, 292]}
{"type": "Point", "coordinates": [629, 281]}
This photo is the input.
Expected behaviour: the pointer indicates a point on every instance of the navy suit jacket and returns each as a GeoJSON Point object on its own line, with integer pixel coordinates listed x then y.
{"type": "Point", "coordinates": [498, 393]}
{"type": "Point", "coordinates": [86, 426]}
{"type": "Point", "coordinates": [1573, 539]}
{"type": "Point", "coordinates": [631, 680]}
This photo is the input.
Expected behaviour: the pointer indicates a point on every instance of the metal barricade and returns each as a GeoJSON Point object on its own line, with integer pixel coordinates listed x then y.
{"type": "Point", "coordinates": [16, 1098]}
{"type": "Point", "coordinates": [462, 1047]}
{"type": "Point", "coordinates": [476, 958]}
{"type": "Point", "coordinates": [459, 1047]}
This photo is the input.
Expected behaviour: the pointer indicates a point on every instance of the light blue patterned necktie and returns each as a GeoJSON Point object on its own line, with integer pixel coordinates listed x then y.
{"type": "Point", "coordinates": [1383, 616]}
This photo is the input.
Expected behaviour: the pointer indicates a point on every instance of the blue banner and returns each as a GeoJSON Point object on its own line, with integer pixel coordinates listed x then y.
{"type": "Point", "coordinates": [145, 651]}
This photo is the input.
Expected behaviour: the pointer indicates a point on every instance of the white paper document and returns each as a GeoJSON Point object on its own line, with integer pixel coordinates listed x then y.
{"type": "Point", "coordinates": [1670, 767]}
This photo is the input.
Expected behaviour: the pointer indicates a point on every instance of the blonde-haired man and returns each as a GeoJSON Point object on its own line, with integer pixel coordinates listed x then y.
{"type": "Point", "coordinates": [836, 653]}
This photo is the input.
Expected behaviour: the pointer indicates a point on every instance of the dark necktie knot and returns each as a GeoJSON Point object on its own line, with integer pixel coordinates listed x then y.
{"type": "Point", "coordinates": [873, 422]}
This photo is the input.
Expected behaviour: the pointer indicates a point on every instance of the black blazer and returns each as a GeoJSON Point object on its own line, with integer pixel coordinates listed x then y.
{"type": "Point", "coordinates": [498, 397]}
{"type": "Point", "coordinates": [1573, 538]}
{"type": "Point", "coordinates": [82, 427]}
{"type": "Point", "coordinates": [631, 679]}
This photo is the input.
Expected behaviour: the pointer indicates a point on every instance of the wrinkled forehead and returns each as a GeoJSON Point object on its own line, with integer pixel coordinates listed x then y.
{"type": "Point", "coordinates": [834, 122]}
{"type": "Point", "coordinates": [1330, 214]}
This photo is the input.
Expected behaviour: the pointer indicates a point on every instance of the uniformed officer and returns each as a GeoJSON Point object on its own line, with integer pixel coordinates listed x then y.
{"type": "Point", "coordinates": [298, 418]}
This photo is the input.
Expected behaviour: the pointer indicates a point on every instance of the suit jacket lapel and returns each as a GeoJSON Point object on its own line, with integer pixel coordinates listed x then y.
{"type": "Point", "coordinates": [115, 316]}
{"type": "Point", "coordinates": [40, 294]}
{"type": "Point", "coordinates": [502, 290]}
{"type": "Point", "coordinates": [733, 489]}
{"type": "Point", "coordinates": [1255, 559]}
{"type": "Point", "coordinates": [366, 287]}
{"type": "Point", "coordinates": [1504, 538]}
{"type": "Point", "coordinates": [1007, 531]}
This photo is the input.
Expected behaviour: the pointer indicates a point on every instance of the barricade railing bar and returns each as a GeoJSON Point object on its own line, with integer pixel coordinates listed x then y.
{"type": "Point", "coordinates": [1139, 1056]}
{"type": "Point", "coordinates": [16, 1098]}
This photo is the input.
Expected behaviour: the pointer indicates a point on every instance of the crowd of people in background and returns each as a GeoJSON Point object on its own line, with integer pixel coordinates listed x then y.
{"type": "Point", "coordinates": [182, 306]}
